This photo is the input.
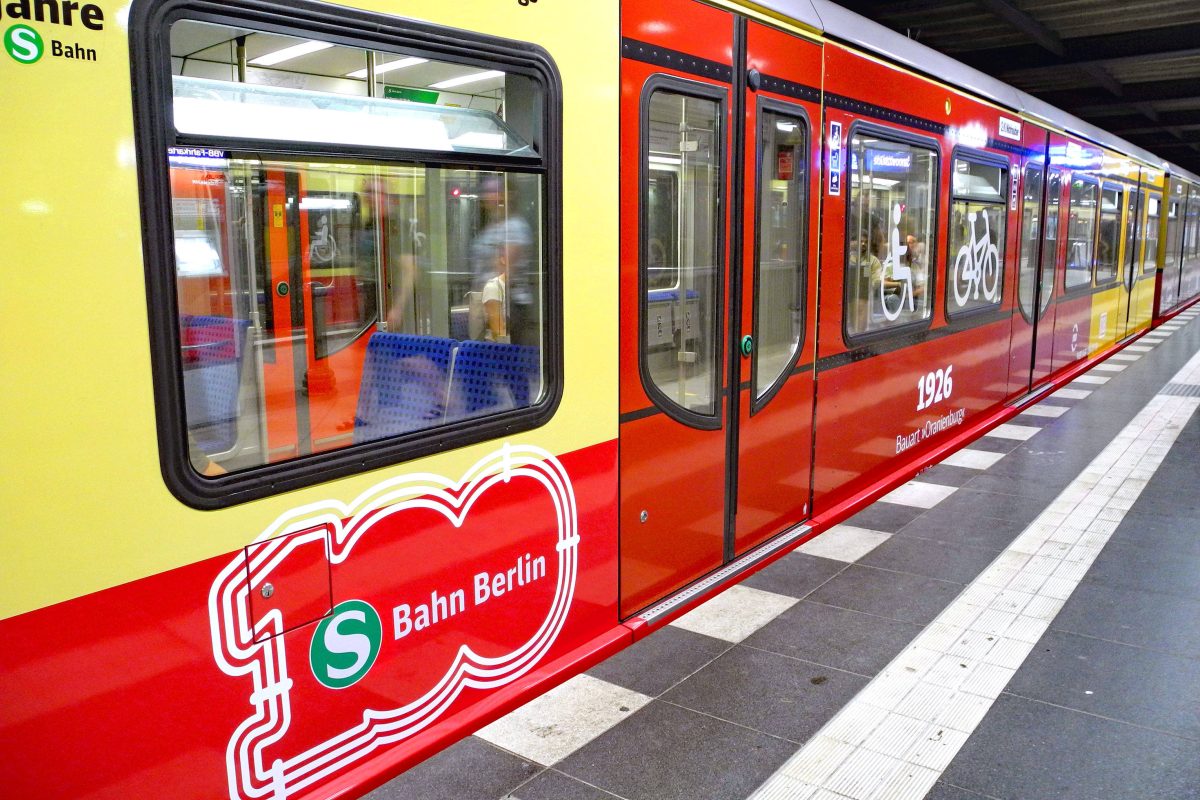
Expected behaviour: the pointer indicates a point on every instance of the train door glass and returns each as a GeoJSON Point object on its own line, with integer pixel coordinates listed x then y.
{"type": "Point", "coordinates": [1153, 204]}
{"type": "Point", "coordinates": [1130, 262]}
{"type": "Point", "coordinates": [1176, 205]}
{"type": "Point", "coordinates": [1190, 277]}
{"type": "Point", "coordinates": [682, 268]}
{"type": "Point", "coordinates": [1081, 233]}
{"type": "Point", "coordinates": [1031, 227]}
{"type": "Point", "coordinates": [780, 287]}
{"type": "Point", "coordinates": [330, 300]}
{"type": "Point", "coordinates": [1108, 257]}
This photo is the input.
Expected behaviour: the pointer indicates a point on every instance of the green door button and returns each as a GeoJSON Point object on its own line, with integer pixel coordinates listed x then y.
{"type": "Point", "coordinates": [747, 346]}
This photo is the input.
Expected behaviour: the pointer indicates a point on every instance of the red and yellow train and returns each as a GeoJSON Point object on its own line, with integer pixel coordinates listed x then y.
{"type": "Point", "coordinates": [424, 361]}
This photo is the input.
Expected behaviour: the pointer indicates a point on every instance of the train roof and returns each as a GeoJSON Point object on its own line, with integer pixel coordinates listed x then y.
{"type": "Point", "coordinates": [844, 25]}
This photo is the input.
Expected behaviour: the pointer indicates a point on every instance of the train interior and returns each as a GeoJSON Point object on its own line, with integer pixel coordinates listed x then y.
{"type": "Point", "coordinates": [325, 301]}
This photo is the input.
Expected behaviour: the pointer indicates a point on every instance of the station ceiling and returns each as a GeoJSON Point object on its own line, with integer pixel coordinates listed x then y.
{"type": "Point", "coordinates": [1131, 67]}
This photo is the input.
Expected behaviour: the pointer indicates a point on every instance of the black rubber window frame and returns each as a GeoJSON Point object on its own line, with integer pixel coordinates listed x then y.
{"type": "Point", "coordinates": [798, 113]}
{"type": "Point", "coordinates": [154, 132]}
{"type": "Point", "coordinates": [720, 95]}
{"type": "Point", "coordinates": [895, 136]}
{"type": "Point", "coordinates": [974, 156]}
{"type": "Point", "coordinates": [1038, 168]}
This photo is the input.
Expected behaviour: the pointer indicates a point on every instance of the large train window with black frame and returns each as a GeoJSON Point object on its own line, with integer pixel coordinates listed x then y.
{"type": "Point", "coordinates": [360, 243]}
{"type": "Point", "coordinates": [1081, 233]}
{"type": "Point", "coordinates": [1108, 256]}
{"type": "Point", "coordinates": [681, 247]}
{"type": "Point", "coordinates": [782, 250]}
{"type": "Point", "coordinates": [1050, 237]}
{"type": "Point", "coordinates": [890, 231]}
{"type": "Point", "coordinates": [975, 255]}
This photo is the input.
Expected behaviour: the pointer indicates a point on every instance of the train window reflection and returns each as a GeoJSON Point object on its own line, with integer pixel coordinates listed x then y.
{"type": "Point", "coordinates": [680, 249]}
{"type": "Point", "coordinates": [1081, 232]}
{"type": "Point", "coordinates": [1050, 238]}
{"type": "Point", "coordinates": [1107, 258]}
{"type": "Point", "coordinates": [1031, 223]}
{"type": "Point", "coordinates": [890, 243]}
{"type": "Point", "coordinates": [1153, 203]}
{"type": "Point", "coordinates": [782, 247]}
{"type": "Point", "coordinates": [975, 259]}
{"type": "Point", "coordinates": [326, 301]}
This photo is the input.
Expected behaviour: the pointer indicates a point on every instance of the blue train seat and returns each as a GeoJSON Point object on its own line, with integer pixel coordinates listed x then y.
{"type": "Point", "coordinates": [404, 385]}
{"type": "Point", "coordinates": [213, 351]}
{"type": "Point", "coordinates": [489, 377]}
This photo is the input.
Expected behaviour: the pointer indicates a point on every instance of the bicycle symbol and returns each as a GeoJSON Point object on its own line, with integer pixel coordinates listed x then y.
{"type": "Point", "coordinates": [977, 266]}
{"type": "Point", "coordinates": [898, 271]}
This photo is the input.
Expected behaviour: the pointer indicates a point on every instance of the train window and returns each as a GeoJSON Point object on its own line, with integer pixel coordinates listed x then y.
{"type": "Point", "coordinates": [360, 247]}
{"type": "Point", "coordinates": [1107, 259]}
{"type": "Point", "coordinates": [1153, 203]}
{"type": "Point", "coordinates": [782, 247]}
{"type": "Point", "coordinates": [1031, 219]}
{"type": "Point", "coordinates": [891, 213]}
{"type": "Point", "coordinates": [1137, 202]}
{"type": "Point", "coordinates": [975, 260]}
{"type": "Point", "coordinates": [681, 248]}
{"type": "Point", "coordinates": [1190, 281]}
{"type": "Point", "coordinates": [1081, 232]}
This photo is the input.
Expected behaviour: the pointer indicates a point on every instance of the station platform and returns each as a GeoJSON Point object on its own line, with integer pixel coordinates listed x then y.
{"type": "Point", "coordinates": [1020, 622]}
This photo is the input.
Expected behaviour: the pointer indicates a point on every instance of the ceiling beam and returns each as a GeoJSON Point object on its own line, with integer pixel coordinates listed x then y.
{"type": "Point", "coordinates": [1046, 38]}
{"type": "Point", "coordinates": [1177, 40]}
{"type": "Point", "coordinates": [1080, 101]}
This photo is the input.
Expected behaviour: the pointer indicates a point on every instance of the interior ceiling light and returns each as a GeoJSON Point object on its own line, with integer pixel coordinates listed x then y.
{"type": "Point", "coordinates": [382, 68]}
{"type": "Point", "coordinates": [464, 79]}
{"type": "Point", "coordinates": [287, 53]}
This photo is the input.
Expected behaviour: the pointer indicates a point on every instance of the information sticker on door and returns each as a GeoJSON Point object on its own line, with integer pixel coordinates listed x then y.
{"type": "Point", "coordinates": [835, 158]}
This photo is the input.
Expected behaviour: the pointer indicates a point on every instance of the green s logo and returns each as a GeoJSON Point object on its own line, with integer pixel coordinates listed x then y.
{"type": "Point", "coordinates": [24, 44]}
{"type": "Point", "coordinates": [346, 644]}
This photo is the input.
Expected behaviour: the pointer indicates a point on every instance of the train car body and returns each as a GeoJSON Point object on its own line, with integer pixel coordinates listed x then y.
{"type": "Point", "coordinates": [418, 376]}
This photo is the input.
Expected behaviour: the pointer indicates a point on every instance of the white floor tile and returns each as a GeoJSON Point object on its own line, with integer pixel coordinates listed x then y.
{"type": "Point", "coordinates": [1124, 357]}
{"type": "Point", "coordinates": [1092, 379]}
{"type": "Point", "coordinates": [1072, 394]}
{"type": "Point", "coordinates": [844, 543]}
{"type": "Point", "coordinates": [735, 613]}
{"type": "Point", "coordinates": [1043, 410]}
{"type": "Point", "coordinates": [919, 494]}
{"type": "Point", "coordinates": [1106, 367]}
{"type": "Point", "coordinates": [972, 459]}
{"type": "Point", "coordinates": [549, 728]}
{"type": "Point", "coordinates": [1009, 431]}
{"type": "Point", "coordinates": [1138, 348]}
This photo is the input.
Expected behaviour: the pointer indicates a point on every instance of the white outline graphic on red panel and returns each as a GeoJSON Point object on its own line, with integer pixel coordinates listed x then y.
{"type": "Point", "coordinates": [238, 654]}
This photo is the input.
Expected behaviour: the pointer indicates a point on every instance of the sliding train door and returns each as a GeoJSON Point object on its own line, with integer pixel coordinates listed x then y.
{"type": "Point", "coordinates": [717, 278]}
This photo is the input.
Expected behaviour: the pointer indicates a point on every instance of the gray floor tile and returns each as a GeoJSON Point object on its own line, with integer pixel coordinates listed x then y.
{"type": "Point", "coordinates": [1132, 684]}
{"type": "Point", "coordinates": [886, 517]}
{"type": "Point", "coordinates": [995, 444]}
{"type": "Point", "coordinates": [1148, 569]}
{"type": "Point", "coordinates": [469, 770]}
{"type": "Point", "coordinates": [1143, 619]}
{"type": "Point", "coordinates": [1032, 751]}
{"type": "Point", "coordinates": [895, 595]}
{"type": "Point", "coordinates": [768, 692]}
{"type": "Point", "coordinates": [1163, 532]}
{"type": "Point", "coordinates": [948, 475]}
{"type": "Point", "coordinates": [951, 525]}
{"type": "Point", "coordinates": [944, 560]}
{"type": "Point", "coordinates": [552, 785]}
{"type": "Point", "coordinates": [659, 661]}
{"type": "Point", "coordinates": [835, 637]}
{"type": "Point", "coordinates": [795, 575]}
{"type": "Point", "coordinates": [1041, 489]}
{"type": "Point", "coordinates": [972, 502]}
{"type": "Point", "coordinates": [679, 755]}
{"type": "Point", "coordinates": [944, 791]}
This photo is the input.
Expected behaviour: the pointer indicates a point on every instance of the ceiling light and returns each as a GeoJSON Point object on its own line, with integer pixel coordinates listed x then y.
{"type": "Point", "coordinates": [464, 79]}
{"type": "Point", "coordinates": [288, 53]}
{"type": "Point", "coordinates": [382, 68]}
